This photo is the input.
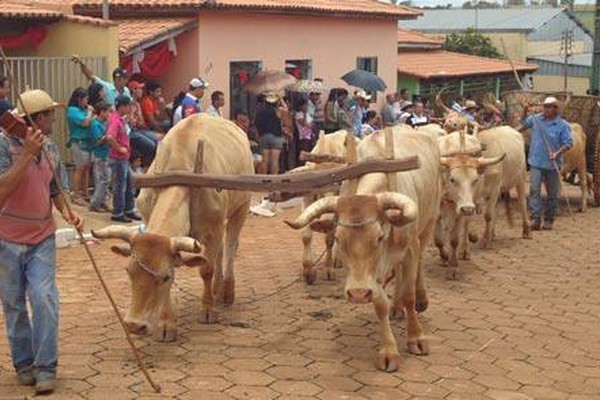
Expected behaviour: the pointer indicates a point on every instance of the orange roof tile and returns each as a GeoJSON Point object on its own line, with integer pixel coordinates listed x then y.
{"type": "Point", "coordinates": [445, 64]}
{"type": "Point", "coordinates": [13, 11]}
{"type": "Point", "coordinates": [407, 36]}
{"type": "Point", "coordinates": [32, 9]}
{"type": "Point", "coordinates": [135, 32]}
{"type": "Point", "coordinates": [372, 8]}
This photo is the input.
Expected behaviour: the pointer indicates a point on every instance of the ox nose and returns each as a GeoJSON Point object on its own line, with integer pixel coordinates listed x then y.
{"type": "Point", "coordinates": [360, 296]}
{"type": "Point", "coordinates": [467, 210]}
{"type": "Point", "coordinates": [137, 328]}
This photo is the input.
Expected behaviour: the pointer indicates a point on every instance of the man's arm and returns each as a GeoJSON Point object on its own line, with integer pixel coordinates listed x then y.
{"type": "Point", "coordinates": [12, 175]}
{"type": "Point", "coordinates": [566, 141]}
{"type": "Point", "coordinates": [71, 218]}
{"type": "Point", "coordinates": [85, 70]}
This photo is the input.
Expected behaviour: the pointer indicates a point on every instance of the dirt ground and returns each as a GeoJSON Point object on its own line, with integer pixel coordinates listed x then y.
{"type": "Point", "coordinates": [522, 323]}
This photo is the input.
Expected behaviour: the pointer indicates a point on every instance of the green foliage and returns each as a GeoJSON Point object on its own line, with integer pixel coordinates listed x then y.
{"type": "Point", "coordinates": [480, 4]}
{"type": "Point", "coordinates": [471, 42]}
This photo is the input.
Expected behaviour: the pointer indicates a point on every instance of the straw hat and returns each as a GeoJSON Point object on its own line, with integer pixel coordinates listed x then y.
{"type": "Point", "coordinates": [470, 104]}
{"type": "Point", "coordinates": [271, 97]}
{"type": "Point", "coordinates": [551, 101]}
{"type": "Point", "coordinates": [36, 101]}
{"type": "Point", "coordinates": [361, 94]}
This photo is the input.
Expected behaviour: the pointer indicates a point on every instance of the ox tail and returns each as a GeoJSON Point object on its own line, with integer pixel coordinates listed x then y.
{"type": "Point", "coordinates": [505, 198]}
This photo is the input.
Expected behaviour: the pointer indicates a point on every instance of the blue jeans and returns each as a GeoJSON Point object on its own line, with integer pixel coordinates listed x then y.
{"type": "Point", "coordinates": [29, 271]}
{"type": "Point", "coordinates": [551, 181]}
{"type": "Point", "coordinates": [124, 196]}
{"type": "Point", "coordinates": [143, 144]}
{"type": "Point", "coordinates": [101, 182]}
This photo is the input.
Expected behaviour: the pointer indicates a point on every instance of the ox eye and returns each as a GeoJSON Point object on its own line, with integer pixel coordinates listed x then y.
{"type": "Point", "coordinates": [452, 180]}
{"type": "Point", "coordinates": [380, 238]}
{"type": "Point", "coordinates": [166, 278]}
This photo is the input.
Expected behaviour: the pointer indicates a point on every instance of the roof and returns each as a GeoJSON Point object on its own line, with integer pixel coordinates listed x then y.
{"type": "Point", "coordinates": [446, 64]}
{"type": "Point", "coordinates": [134, 33]}
{"type": "Point", "coordinates": [409, 38]}
{"type": "Point", "coordinates": [583, 60]}
{"type": "Point", "coordinates": [22, 9]}
{"type": "Point", "coordinates": [493, 19]}
{"type": "Point", "coordinates": [371, 8]}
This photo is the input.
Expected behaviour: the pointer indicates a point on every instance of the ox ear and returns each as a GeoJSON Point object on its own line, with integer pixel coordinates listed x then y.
{"type": "Point", "coordinates": [324, 225]}
{"type": "Point", "coordinates": [191, 260]}
{"type": "Point", "coordinates": [122, 250]}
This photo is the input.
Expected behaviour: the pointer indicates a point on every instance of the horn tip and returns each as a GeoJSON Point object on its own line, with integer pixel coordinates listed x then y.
{"type": "Point", "coordinates": [293, 224]}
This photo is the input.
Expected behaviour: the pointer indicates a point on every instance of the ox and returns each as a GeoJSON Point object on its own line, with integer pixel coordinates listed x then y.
{"type": "Point", "coordinates": [453, 120]}
{"type": "Point", "coordinates": [574, 160]}
{"type": "Point", "coordinates": [434, 130]}
{"type": "Point", "coordinates": [502, 177]}
{"type": "Point", "coordinates": [382, 233]}
{"type": "Point", "coordinates": [206, 215]}
{"type": "Point", "coordinates": [331, 144]}
{"type": "Point", "coordinates": [462, 183]}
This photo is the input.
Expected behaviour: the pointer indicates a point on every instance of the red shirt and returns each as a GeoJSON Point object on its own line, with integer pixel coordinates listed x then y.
{"type": "Point", "coordinates": [116, 127]}
{"type": "Point", "coordinates": [149, 107]}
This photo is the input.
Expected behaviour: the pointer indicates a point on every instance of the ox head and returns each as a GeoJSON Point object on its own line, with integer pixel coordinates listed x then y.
{"type": "Point", "coordinates": [362, 225]}
{"type": "Point", "coordinates": [462, 176]}
{"type": "Point", "coordinates": [152, 260]}
{"type": "Point", "coordinates": [453, 121]}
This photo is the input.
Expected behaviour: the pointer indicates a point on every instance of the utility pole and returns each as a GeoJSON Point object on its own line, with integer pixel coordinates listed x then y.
{"type": "Point", "coordinates": [566, 48]}
{"type": "Point", "coordinates": [595, 78]}
{"type": "Point", "coordinates": [105, 14]}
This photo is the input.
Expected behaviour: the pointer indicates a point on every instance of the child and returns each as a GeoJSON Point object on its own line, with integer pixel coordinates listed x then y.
{"type": "Point", "coordinates": [100, 158]}
{"type": "Point", "coordinates": [117, 134]}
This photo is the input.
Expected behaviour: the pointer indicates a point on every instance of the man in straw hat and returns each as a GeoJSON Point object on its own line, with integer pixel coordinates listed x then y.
{"type": "Point", "coordinates": [358, 110]}
{"type": "Point", "coordinates": [470, 110]}
{"type": "Point", "coordinates": [550, 138]}
{"type": "Point", "coordinates": [27, 243]}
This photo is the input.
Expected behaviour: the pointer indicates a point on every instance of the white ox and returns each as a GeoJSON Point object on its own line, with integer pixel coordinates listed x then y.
{"type": "Point", "coordinates": [502, 177]}
{"type": "Point", "coordinates": [462, 184]}
{"type": "Point", "coordinates": [574, 160]}
{"type": "Point", "coordinates": [199, 215]}
{"type": "Point", "coordinates": [381, 234]}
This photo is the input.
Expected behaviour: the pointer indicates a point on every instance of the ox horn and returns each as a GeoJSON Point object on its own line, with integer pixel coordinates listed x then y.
{"type": "Point", "coordinates": [486, 162]}
{"type": "Point", "coordinates": [407, 208]}
{"type": "Point", "coordinates": [114, 232]}
{"type": "Point", "coordinates": [440, 103]}
{"type": "Point", "coordinates": [186, 244]}
{"type": "Point", "coordinates": [314, 211]}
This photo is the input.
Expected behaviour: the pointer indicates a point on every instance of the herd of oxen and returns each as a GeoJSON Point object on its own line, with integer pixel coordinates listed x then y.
{"type": "Point", "coordinates": [377, 227]}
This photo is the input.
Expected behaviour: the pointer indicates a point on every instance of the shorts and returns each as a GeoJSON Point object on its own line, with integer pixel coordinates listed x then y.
{"type": "Point", "coordinates": [268, 141]}
{"type": "Point", "coordinates": [81, 158]}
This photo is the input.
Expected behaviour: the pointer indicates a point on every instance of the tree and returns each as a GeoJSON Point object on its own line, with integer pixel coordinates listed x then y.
{"type": "Point", "coordinates": [480, 4]}
{"type": "Point", "coordinates": [471, 42]}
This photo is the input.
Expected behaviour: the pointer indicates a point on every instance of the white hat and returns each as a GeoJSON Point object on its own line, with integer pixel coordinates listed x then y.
{"type": "Point", "coordinates": [271, 97]}
{"type": "Point", "coordinates": [470, 104]}
{"type": "Point", "coordinates": [551, 101]}
{"type": "Point", "coordinates": [361, 94]}
{"type": "Point", "coordinates": [198, 83]}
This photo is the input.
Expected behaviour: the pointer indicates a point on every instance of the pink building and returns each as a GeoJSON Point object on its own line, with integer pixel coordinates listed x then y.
{"type": "Point", "coordinates": [227, 41]}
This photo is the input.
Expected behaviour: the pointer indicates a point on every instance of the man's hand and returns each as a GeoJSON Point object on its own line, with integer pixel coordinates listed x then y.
{"type": "Point", "coordinates": [123, 150]}
{"type": "Point", "coordinates": [34, 140]}
{"type": "Point", "coordinates": [75, 58]}
{"type": "Point", "coordinates": [73, 219]}
{"type": "Point", "coordinates": [554, 155]}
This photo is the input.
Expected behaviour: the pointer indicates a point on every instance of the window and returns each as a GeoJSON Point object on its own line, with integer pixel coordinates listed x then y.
{"type": "Point", "coordinates": [368, 64]}
{"type": "Point", "coordinates": [300, 69]}
{"type": "Point", "coordinates": [240, 73]}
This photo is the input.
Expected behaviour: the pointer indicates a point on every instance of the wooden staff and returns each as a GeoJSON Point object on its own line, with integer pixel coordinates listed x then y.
{"type": "Point", "coordinates": [88, 251]}
{"type": "Point", "coordinates": [512, 65]}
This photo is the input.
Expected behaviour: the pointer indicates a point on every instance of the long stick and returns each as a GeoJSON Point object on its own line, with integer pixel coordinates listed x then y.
{"type": "Point", "coordinates": [67, 205]}
{"type": "Point", "coordinates": [512, 65]}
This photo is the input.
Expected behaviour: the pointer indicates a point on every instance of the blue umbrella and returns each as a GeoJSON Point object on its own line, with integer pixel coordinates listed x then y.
{"type": "Point", "coordinates": [365, 80]}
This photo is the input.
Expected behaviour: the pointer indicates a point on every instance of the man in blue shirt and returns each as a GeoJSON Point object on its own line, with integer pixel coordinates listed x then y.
{"type": "Point", "coordinates": [112, 90]}
{"type": "Point", "coordinates": [358, 110]}
{"type": "Point", "coordinates": [550, 139]}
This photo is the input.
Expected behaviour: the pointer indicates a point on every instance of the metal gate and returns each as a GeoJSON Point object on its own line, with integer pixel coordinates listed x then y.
{"type": "Point", "coordinates": [58, 76]}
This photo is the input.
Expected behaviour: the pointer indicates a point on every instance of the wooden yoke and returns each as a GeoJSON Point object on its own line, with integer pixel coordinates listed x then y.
{"type": "Point", "coordinates": [351, 159]}
{"type": "Point", "coordinates": [389, 155]}
{"type": "Point", "coordinates": [199, 165]}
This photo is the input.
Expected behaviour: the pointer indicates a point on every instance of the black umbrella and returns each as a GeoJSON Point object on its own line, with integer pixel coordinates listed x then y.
{"type": "Point", "coordinates": [365, 80]}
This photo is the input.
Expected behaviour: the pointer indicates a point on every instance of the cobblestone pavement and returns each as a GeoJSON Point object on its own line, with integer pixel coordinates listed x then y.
{"type": "Point", "coordinates": [523, 323]}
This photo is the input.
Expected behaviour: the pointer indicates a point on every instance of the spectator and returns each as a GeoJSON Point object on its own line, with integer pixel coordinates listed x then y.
{"type": "Point", "coordinates": [418, 116]}
{"type": "Point", "coordinates": [143, 141]}
{"type": "Point", "coordinates": [243, 121]}
{"type": "Point", "coordinates": [176, 106]}
{"type": "Point", "coordinates": [191, 102]}
{"type": "Point", "coordinates": [389, 115]}
{"type": "Point", "coordinates": [470, 110]}
{"type": "Point", "coordinates": [358, 110]}
{"type": "Point", "coordinates": [96, 94]}
{"type": "Point", "coordinates": [28, 245]}
{"type": "Point", "coordinates": [316, 109]}
{"type": "Point", "coordinates": [372, 123]}
{"type": "Point", "coordinates": [343, 114]}
{"type": "Point", "coordinates": [4, 92]}
{"type": "Point", "coordinates": [100, 158]}
{"type": "Point", "coordinates": [118, 159]}
{"type": "Point", "coordinates": [112, 90]}
{"type": "Point", "coordinates": [551, 137]}
{"type": "Point", "coordinates": [79, 118]}
{"type": "Point", "coordinates": [217, 101]}
{"type": "Point", "coordinates": [331, 122]}
{"type": "Point", "coordinates": [406, 111]}
{"type": "Point", "coordinates": [288, 156]}
{"type": "Point", "coordinates": [304, 126]}
{"type": "Point", "coordinates": [404, 97]}
{"type": "Point", "coordinates": [154, 109]}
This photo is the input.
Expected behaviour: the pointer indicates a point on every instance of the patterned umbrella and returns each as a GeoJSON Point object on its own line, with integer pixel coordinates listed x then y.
{"type": "Point", "coordinates": [269, 81]}
{"type": "Point", "coordinates": [308, 86]}
{"type": "Point", "coordinates": [365, 80]}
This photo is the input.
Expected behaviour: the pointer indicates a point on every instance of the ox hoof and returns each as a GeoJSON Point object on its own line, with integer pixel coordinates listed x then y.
{"type": "Point", "coordinates": [473, 238]}
{"type": "Point", "coordinates": [310, 276]}
{"type": "Point", "coordinates": [465, 255]}
{"type": "Point", "coordinates": [165, 334]}
{"type": "Point", "coordinates": [418, 346]}
{"type": "Point", "coordinates": [421, 303]}
{"type": "Point", "coordinates": [207, 317]}
{"type": "Point", "coordinates": [388, 362]}
{"type": "Point", "coordinates": [330, 275]}
{"type": "Point", "coordinates": [453, 274]}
